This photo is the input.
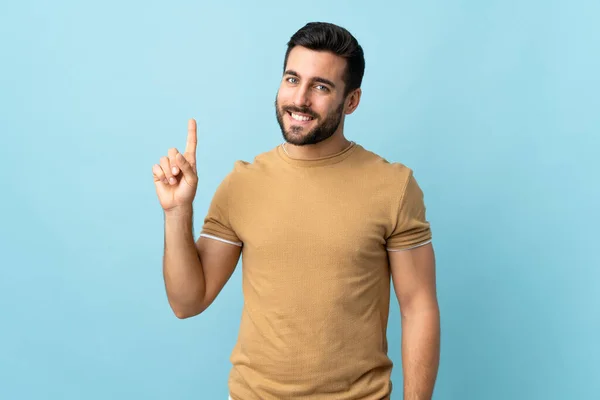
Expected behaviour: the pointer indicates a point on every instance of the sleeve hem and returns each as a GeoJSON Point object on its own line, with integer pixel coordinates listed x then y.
{"type": "Point", "coordinates": [410, 247]}
{"type": "Point", "coordinates": [216, 230]}
{"type": "Point", "coordinates": [220, 239]}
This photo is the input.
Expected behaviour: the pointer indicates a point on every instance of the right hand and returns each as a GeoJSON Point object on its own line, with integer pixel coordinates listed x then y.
{"type": "Point", "coordinates": [176, 176]}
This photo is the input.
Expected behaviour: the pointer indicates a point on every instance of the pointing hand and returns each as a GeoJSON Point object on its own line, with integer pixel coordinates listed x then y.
{"type": "Point", "coordinates": [176, 176]}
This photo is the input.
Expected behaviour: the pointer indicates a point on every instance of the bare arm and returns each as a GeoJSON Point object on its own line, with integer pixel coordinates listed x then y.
{"type": "Point", "coordinates": [413, 275]}
{"type": "Point", "coordinates": [194, 273]}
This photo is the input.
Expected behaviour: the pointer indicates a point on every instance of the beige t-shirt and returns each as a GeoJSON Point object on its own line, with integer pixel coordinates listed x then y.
{"type": "Point", "coordinates": [315, 270]}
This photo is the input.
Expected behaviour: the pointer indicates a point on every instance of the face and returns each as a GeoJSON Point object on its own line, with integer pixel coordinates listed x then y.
{"type": "Point", "coordinates": [310, 102]}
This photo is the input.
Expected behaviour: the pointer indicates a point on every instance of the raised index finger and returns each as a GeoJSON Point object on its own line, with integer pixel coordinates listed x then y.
{"type": "Point", "coordinates": [192, 139]}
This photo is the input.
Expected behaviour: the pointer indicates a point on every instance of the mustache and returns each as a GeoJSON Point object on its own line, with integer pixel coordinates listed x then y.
{"type": "Point", "coordinates": [302, 110]}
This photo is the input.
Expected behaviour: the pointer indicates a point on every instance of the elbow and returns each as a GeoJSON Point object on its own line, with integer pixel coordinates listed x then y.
{"type": "Point", "coordinates": [181, 314]}
{"type": "Point", "coordinates": [185, 307]}
{"type": "Point", "coordinates": [186, 312]}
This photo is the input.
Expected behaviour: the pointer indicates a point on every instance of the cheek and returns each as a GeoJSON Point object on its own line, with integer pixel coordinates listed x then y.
{"type": "Point", "coordinates": [335, 106]}
{"type": "Point", "coordinates": [284, 96]}
{"type": "Point", "coordinates": [323, 108]}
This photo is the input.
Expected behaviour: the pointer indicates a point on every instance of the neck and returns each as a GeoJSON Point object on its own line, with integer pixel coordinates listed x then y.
{"type": "Point", "coordinates": [333, 145]}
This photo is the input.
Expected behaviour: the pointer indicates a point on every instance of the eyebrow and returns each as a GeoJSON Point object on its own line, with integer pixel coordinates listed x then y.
{"type": "Point", "coordinates": [316, 78]}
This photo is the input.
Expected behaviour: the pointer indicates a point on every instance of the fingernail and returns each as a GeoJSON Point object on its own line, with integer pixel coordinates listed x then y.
{"type": "Point", "coordinates": [174, 169]}
{"type": "Point", "coordinates": [172, 180]}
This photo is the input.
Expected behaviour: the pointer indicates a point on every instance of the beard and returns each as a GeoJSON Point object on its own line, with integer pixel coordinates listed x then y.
{"type": "Point", "coordinates": [324, 130]}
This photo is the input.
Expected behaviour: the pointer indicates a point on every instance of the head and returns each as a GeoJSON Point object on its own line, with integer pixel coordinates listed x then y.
{"type": "Point", "coordinates": [322, 75]}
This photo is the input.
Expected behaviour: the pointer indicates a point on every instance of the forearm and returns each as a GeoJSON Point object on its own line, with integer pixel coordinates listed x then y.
{"type": "Point", "coordinates": [182, 269]}
{"type": "Point", "coordinates": [420, 353]}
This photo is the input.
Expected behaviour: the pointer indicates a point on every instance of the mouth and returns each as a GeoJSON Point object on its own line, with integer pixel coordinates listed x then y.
{"type": "Point", "coordinates": [300, 118]}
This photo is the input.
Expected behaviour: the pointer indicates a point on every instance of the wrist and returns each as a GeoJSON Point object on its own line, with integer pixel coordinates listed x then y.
{"type": "Point", "coordinates": [177, 212]}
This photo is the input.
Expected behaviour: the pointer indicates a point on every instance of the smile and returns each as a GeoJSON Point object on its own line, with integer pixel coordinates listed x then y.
{"type": "Point", "coordinates": [300, 117]}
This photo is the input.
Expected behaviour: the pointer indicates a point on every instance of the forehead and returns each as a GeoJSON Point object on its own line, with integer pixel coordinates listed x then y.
{"type": "Point", "coordinates": [311, 63]}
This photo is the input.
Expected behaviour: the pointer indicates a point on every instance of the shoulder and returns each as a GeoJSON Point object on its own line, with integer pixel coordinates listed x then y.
{"type": "Point", "coordinates": [243, 170]}
{"type": "Point", "coordinates": [259, 162]}
{"type": "Point", "coordinates": [394, 172]}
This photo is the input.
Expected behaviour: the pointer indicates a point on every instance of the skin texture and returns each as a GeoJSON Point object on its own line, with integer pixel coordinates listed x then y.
{"type": "Point", "coordinates": [195, 272]}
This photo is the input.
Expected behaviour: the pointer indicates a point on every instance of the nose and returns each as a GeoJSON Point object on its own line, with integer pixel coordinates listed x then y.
{"type": "Point", "coordinates": [301, 96]}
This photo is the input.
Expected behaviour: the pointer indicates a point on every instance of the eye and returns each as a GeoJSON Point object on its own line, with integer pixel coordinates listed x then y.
{"type": "Point", "coordinates": [322, 88]}
{"type": "Point", "coordinates": [292, 79]}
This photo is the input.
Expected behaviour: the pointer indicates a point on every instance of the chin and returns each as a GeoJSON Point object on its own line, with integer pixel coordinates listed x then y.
{"type": "Point", "coordinates": [294, 138]}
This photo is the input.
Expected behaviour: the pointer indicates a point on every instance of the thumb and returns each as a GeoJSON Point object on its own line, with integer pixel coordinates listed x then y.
{"type": "Point", "coordinates": [188, 172]}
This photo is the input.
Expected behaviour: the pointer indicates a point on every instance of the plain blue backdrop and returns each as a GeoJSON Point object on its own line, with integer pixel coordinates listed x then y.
{"type": "Point", "coordinates": [494, 104]}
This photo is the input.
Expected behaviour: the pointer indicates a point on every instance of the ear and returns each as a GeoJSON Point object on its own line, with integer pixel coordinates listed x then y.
{"type": "Point", "coordinates": [352, 101]}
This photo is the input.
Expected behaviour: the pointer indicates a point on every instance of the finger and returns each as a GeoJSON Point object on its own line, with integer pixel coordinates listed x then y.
{"type": "Point", "coordinates": [174, 168]}
{"type": "Point", "coordinates": [192, 140]}
{"type": "Point", "coordinates": [159, 175]}
{"type": "Point", "coordinates": [166, 167]}
{"type": "Point", "coordinates": [188, 172]}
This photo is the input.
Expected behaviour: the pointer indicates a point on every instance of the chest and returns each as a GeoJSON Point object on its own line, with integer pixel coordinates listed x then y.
{"type": "Point", "coordinates": [315, 220]}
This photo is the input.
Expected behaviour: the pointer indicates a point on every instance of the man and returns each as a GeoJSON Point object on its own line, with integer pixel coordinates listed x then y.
{"type": "Point", "coordinates": [323, 225]}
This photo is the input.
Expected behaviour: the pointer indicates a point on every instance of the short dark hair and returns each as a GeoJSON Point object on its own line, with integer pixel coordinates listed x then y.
{"type": "Point", "coordinates": [324, 36]}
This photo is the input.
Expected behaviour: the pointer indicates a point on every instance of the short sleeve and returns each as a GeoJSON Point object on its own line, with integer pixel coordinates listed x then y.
{"type": "Point", "coordinates": [412, 228]}
{"type": "Point", "coordinates": [217, 224]}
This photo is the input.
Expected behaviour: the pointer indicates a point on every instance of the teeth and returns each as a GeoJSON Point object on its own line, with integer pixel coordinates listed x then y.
{"type": "Point", "coordinates": [300, 118]}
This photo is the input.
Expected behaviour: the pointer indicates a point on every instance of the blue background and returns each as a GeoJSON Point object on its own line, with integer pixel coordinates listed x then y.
{"type": "Point", "coordinates": [494, 104]}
